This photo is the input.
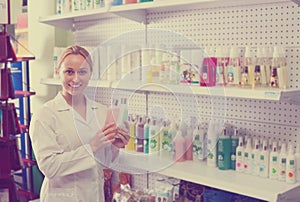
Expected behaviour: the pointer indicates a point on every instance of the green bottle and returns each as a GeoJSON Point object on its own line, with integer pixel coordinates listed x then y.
{"type": "Point", "coordinates": [224, 150]}
{"type": "Point", "coordinates": [234, 144]}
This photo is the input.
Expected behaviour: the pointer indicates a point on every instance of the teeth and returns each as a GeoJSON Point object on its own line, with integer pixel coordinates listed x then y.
{"type": "Point", "coordinates": [75, 85]}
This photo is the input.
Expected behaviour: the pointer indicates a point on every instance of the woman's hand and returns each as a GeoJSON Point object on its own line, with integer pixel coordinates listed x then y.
{"type": "Point", "coordinates": [104, 137]}
{"type": "Point", "coordinates": [122, 137]}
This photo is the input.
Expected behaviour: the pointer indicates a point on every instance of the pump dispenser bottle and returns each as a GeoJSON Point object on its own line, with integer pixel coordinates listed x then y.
{"type": "Point", "coordinates": [273, 162]}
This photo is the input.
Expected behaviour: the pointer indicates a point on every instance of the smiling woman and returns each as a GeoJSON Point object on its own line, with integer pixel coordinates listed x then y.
{"type": "Point", "coordinates": [70, 138]}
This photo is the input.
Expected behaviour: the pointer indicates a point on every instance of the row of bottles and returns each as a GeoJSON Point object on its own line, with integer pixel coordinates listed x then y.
{"type": "Point", "coordinates": [168, 140]}
{"type": "Point", "coordinates": [278, 161]}
{"type": "Point", "coordinates": [66, 6]}
{"type": "Point", "coordinates": [212, 67]}
{"type": "Point", "coordinates": [268, 68]}
{"type": "Point", "coordinates": [235, 152]}
{"type": "Point", "coordinates": [220, 148]}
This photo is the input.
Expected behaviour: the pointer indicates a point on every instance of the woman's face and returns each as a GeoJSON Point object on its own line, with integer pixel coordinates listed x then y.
{"type": "Point", "coordinates": [75, 74]}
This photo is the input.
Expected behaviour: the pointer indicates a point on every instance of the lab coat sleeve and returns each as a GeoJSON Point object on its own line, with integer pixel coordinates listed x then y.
{"type": "Point", "coordinates": [54, 161]}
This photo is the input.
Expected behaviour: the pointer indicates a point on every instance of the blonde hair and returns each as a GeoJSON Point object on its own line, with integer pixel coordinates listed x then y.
{"type": "Point", "coordinates": [75, 50]}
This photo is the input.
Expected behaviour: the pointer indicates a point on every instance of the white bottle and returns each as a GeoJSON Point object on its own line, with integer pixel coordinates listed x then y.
{"type": "Point", "coordinates": [264, 161]}
{"type": "Point", "coordinates": [240, 156]}
{"type": "Point", "coordinates": [273, 167]}
{"type": "Point", "coordinates": [247, 157]}
{"type": "Point", "coordinates": [291, 166]}
{"type": "Point", "coordinates": [154, 140]}
{"type": "Point", "coordinates": [212, 137]}
{"type": "Point", "coordinates": [255, 158]}
{"type": "Point", "coordinates": [199, 143]}
{"type": "Point", "coordinates": [297, 156]}
{"type": "Point", "coordinates": [282, 163]}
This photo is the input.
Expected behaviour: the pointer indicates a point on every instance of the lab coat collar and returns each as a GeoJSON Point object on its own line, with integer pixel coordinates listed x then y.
{"type": "Point", "coordinates": [62, 106]}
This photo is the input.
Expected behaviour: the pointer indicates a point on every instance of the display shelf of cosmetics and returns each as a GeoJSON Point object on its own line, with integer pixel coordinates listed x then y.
{"type": "Point", "coordinates": [254, 167]}
{"type": "Point", "coordinates": [68, 12]}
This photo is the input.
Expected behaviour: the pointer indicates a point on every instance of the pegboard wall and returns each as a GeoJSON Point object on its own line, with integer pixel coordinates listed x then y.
{"type": "Point", "coordinates": [255, 25]}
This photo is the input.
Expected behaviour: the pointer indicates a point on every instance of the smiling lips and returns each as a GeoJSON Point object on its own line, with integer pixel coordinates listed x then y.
{"type": "Point", "coordinates": [75, 85]}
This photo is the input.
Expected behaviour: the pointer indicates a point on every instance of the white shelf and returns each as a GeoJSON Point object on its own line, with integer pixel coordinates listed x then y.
{"type": "Point", "coordinates": [290, 95]}
{"type": "Point", "coordinates": [248, 185]}
{"type": "Point", "coordinates": [92, 83]}
{"type": "Point", "coordinates": [198, 172]}
{"type": "Point", "coordinates": [137, 12]}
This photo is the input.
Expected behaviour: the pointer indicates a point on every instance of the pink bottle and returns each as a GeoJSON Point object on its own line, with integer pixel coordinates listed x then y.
{"type": "Point", "coordinates": [189, 147]}
{"type": "Point", "coordinates": [130, 1]}
{"type": "Point", "coordinates": [179, 147]}
{"type": "Point", "coordinates": [112, 113]}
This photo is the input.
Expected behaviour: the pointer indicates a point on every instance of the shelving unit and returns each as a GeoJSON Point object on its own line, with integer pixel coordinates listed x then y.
{"type": "Point", "coordinates": [138, 12]}
{"type": "Point", "coordinates": [289, 95]}
{"type": "Point", "coordinates": [15, 165]}
{"type": "Point", "coordinates": [198, 172]}
{"type": "Point", "coordinates": [240, 183]}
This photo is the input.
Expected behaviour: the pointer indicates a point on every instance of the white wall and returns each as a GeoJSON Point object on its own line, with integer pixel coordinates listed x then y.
{"type": "Point", "coordinates": [41, 40]}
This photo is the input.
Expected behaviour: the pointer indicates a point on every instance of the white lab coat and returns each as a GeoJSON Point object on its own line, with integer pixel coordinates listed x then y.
{"type": "Point", "coordinates": [60, 138]}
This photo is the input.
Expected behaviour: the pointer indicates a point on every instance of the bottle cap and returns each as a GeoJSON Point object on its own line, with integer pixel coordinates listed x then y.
{"type": "Point", "coordinates": [234, 53]}
{"type": "Point", "coordinates": [265, 52]}
{"type": "Point", "coordinates": [248, 53]}
{"type": "Point", "coordinates": [260, 52]}
{"type": "Point", "coordinates": [276, 52]}
{"type": "Point", "coordinates": [219, 53]}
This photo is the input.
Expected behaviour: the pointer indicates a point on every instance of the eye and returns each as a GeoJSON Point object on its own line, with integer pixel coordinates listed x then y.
{"type": "Point", "coordinates": [82, 72]}
{"type": "Point", "coordinates": [69, 72]}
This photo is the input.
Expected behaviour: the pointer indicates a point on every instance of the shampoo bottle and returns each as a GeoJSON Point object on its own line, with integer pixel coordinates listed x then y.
{"type": "Point", "coordinates": [234, 145]}
{"type": "Point", "coordinates": [255, 158]}
{"type": "Point", "coordinates": [123, 114]}
{"type": "Point", "coordinates": [140, 135]}
{"type": "Point", "coordinates": [189, 139]}
{"type": "Point", "coordinates": [224, 150]}
{"type": "Point", "coordinates": [212, 139]}
{"type": "Point", "coordinates": [282, 163]}
{"type": "Point", "coordinates": [164, 140]}
{"type": "Point", "coordinates": [146, 135]}
{"type": "Point", "coordinates": [247, 157]}
{"type": "Point", "coordinates": [131, 143]}
{"type": "Point", "coordinates": [240, 156]}
{"type": "Point", "coordinates": [154, 138]}
{"type": "Point", "coordinates": [297, 157]}
{"type": "Point", "coordinates": [264, 161]}
{"type": "Point", "coordinates": [273, 167]}
{"type": "Point", "coordinates": [179, 146]}
{"type": "Point", "coordinates": [291, 166]}
{"type": "Point", "coordinates": [199, 143]}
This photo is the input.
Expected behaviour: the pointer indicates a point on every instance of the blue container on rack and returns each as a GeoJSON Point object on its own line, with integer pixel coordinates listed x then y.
{"type": "Point", "coordinates": [116, 2]}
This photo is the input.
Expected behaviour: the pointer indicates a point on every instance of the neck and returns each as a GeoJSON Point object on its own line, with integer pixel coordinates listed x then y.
{"type": "Point", "coordinates": [74, 100]}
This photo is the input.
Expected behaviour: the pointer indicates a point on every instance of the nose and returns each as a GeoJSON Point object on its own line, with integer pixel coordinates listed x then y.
{"type": "Point", "coordinates": [76, 77]}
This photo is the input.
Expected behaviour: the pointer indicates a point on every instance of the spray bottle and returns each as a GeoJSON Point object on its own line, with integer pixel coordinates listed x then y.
{"type": "Point", "coordinates": [282, 163]}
